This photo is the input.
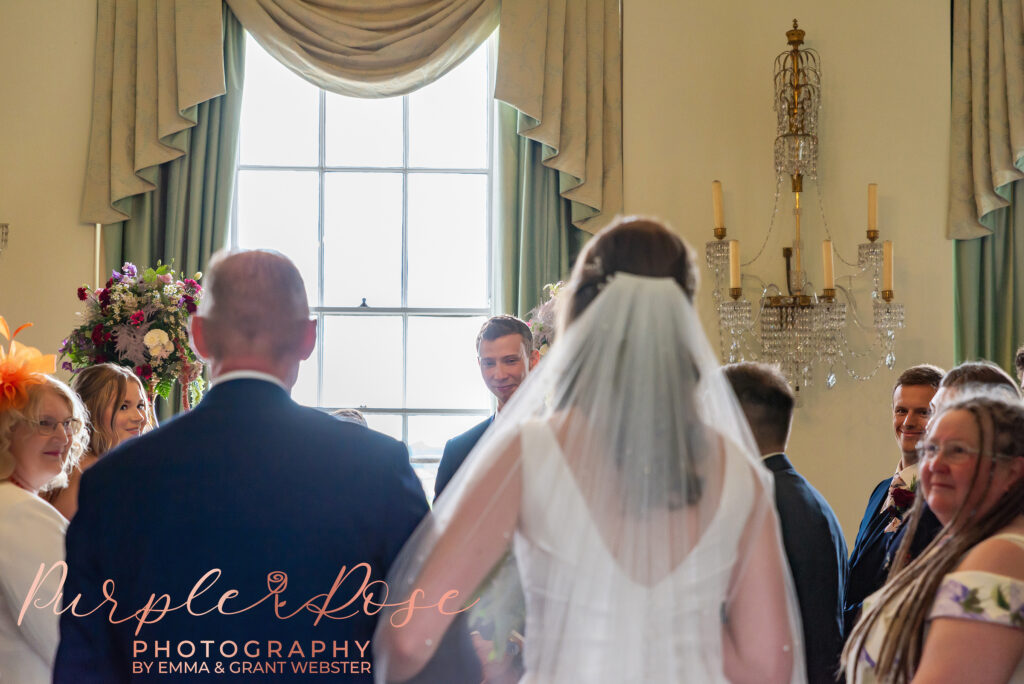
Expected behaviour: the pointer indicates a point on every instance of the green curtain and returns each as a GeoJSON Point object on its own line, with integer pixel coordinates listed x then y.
{"type": "Point", "coordinates": [536, 242]}
{"type": "Point", "coordinates": [185, 220]}
{"type": "Point", "coordinates": [987, 292]}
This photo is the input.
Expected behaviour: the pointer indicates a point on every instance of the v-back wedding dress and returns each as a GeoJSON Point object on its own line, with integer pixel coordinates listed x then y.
{"type": "Point", "coordinates": [656, 628]}
{"type": "Point", "coordinates": [624, 476]}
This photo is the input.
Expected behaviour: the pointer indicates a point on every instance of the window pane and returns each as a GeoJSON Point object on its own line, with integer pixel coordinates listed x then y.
{"type": "Point", "coordinates": [362, 361]}
{"type": "Point", "coordinates": [427, 434]}
{"type": "Point", "coordinates": [279, 113]}
{"type": "Point", "coordinates": [278, 210]}
{"type": "Point", "coordinates": [304, 391]}
{"type": "Point", "coordinates": [388, 423]}
{"type": "Point", "coordinates": [448, 118]}
{"type": "Point", "coordinates": [362, 132]}
{"type": "Point", "coordinates": [363, 239]}
{"type": "Point", "coordinates": [448, 240]}
{"type": "Point", "coordinates": [445, 342]}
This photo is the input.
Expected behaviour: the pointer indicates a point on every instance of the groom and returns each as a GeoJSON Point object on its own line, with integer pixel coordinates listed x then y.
{"type": "Point", "coordinates": [505, 353]}
{"type": "Point", "coordinates": [243, 526]}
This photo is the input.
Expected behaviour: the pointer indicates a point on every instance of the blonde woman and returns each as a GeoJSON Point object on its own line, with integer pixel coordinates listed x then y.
{"type": "Point", "coordinates": [42, 436]}
{"type": "Point", "coordinates": [119, 410]}
{"type": "Point", "coordinates": [956, 613]}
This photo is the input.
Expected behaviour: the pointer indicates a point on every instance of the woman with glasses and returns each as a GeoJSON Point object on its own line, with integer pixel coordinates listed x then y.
{"type": "Point", "coordinates": [118, 409]}
{"type": "Point", "coordinates": [42, 436]}
{"type": "Point", "coordinates": [956, 613]}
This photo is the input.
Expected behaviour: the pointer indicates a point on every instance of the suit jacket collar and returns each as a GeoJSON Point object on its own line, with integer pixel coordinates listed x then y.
{"type": "Point", "coordinates": [244, 391]}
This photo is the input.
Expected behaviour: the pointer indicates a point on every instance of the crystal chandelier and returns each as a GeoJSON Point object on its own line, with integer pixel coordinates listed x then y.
{"type": "Point", "coordinates": [798, 328]}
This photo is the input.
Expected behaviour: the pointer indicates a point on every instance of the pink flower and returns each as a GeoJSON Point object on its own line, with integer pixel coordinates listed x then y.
{"type": "Point", "coordinates": [137, 318]}
{"type": "Point", "coordinates": [165, 278]}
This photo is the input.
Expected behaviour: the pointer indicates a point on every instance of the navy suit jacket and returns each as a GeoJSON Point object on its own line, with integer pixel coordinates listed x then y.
{"type": "Point", "coordinates": [816, 551]}
{"type": "Point", "coordinates": [455, 452]}
{"type": "Point", "coordinates": [873, 549]}
{"type": "Point", "coordinates": [248, 483]}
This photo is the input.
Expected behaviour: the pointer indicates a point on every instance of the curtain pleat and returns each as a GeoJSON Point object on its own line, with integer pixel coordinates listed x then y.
{"type": "Point", "coordinates": [185, 219]}
{"type": "Point", "coordinates": [535, 239]}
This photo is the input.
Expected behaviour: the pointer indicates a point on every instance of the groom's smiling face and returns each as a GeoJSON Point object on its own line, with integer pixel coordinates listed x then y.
{"type": "Point", "coordinates": [504, 364]}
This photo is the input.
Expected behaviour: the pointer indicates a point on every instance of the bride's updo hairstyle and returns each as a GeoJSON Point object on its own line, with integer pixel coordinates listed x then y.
{"type": "Point", "coordinates": [644, 246]}
{"type": "Point", "coordinates": [639, 245]}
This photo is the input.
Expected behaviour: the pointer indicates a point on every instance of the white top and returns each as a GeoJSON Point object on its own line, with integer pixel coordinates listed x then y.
{"type": "Point", "coordinates": [31, 533]}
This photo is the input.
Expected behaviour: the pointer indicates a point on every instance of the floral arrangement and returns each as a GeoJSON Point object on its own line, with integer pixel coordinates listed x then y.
{"type": "Point", "coordinates": [541, 318]}
{"type": "Point", "coordinates": [141, 321]}
{"type": "Point", "coordinates": [20, 367]}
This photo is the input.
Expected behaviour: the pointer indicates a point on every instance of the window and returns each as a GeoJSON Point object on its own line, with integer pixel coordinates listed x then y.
{"type": "Point", "coordinates": [384, 205]}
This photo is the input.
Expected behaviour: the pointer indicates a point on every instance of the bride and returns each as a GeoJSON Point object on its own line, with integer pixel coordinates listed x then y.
{"type": "Point", "coordinates": [624, 478]}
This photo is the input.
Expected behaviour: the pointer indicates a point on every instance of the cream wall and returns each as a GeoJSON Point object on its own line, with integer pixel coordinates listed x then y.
{"type": "Point", "coordinates": [697, 80]}
{"type": "Point", "coordinates": [46, 53]}
{"type": "Point", "coordinates": [697, 91]}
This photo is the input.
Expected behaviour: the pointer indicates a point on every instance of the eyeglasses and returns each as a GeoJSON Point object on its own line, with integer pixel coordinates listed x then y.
{"type": "Point", "coordinates": [954, 452]}
{"type": "Point", "coordinates": [47, 427]}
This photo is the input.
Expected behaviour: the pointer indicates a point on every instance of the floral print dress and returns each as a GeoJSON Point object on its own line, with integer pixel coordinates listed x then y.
{"type": "Point", "coordinates": [966, 595]}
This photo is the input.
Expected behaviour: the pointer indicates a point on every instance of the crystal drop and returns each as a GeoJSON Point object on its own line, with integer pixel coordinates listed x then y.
{"type": "Point", "coordinates": [830, 381]}
{"type": "Point", "coordinates": [890, 360]}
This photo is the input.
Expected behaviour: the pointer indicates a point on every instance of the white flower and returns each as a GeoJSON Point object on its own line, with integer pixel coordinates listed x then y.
{"type": "Point", "coordinates": [158, 343]}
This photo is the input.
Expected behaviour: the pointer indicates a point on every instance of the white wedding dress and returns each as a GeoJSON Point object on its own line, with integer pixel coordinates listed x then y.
{"type": "Point", "coordinates": [560, 530]}
{"type": "Point", "coordinates": [624, 475]}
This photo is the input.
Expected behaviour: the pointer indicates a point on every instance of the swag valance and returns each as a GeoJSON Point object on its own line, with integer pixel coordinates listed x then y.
{"type": "Point", "coordinates": [559, 65]}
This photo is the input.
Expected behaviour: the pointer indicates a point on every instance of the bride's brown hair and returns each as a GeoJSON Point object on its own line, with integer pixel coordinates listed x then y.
{"type": "Point", "coordinates": [631, 244]}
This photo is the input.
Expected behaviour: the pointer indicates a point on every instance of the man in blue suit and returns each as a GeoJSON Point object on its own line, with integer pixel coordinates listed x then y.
{"type": "Point", "coordinates": [248, 538]}
{"type": "Point", "coordinates": [892, 497]}
{"type": "Point", "coordinates": [504, 350]}
{"type": "Point", "coordinates": [811, 533]}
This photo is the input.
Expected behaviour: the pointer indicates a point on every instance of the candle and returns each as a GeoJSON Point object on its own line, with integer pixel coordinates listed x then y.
{"type": "Point", "coordinates": [827, 264]}
{"type": "Point", "coordinates": [716, 200]}
{"type": "Point", "coordinates": [734, 263]}
{"type": "Point", "coordinates": [887, 265]}
{"type": "Point", "coordinates": [872, 206]}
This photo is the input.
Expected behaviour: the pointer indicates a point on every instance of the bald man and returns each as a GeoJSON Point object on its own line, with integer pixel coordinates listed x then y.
{"type": "Point", "coordinates": [273, 498]}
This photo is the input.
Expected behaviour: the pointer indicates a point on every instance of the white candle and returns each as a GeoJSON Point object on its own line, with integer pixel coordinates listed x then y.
{"type": "Point", "coordinates": [887, 265]}
{"type": "Point", "coordinates": [734, 263]}
{"type": "Point", "coordinates": [827, 264]}
{"type": "Point", "coordinates": [716, 200]}
{"type": "Point", "coordinates": [872, 206]}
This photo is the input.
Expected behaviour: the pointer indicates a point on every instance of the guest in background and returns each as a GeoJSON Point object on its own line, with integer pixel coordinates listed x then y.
{"type": "Point", "coordinates": [971, 373]}
{"type": "Point", "coordinates": [504, 350]}
{"type": "Point", "coordinates": [954, 614]}
{"type": "Point", "coordinates": [968, 376]}
{"type": "Point", "coordinates": [893, 496]}
{"type": "Point", "coordinates": [118, 410]}
{"type": "Point", "coordinates": [42, 436]}
{"type": "Point", "coordinates": [811, 532]}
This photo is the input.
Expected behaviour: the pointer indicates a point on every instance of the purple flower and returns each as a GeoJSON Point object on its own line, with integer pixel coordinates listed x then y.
{"type": "Point", "coordinates": [114, 275]}
{"type": "Point", "coordinates": [66, 365]}
{"type": "Point", "coordinates": [129, 269]}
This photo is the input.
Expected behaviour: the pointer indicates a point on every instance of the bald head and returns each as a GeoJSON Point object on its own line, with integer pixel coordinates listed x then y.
{"type": "Point", "coordinates": [254, 307]}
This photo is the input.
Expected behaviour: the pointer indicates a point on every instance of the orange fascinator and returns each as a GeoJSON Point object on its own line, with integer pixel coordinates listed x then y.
{"type": "Point", "coordinates": [20, 367]}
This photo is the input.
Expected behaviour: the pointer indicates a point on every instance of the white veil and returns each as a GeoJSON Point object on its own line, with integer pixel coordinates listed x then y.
{"type": "Point", "coordinates": [624, 478]}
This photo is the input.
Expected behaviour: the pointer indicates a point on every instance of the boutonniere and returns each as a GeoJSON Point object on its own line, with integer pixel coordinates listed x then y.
{"type": "Point", "coordinates": [902, 496]}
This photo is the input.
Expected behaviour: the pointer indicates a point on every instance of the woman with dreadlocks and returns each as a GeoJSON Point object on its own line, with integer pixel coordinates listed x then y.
{"type": "Point", "coordinates": [956, 613]}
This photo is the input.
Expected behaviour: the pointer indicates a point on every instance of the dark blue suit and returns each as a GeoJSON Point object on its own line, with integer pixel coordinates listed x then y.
{"type": "Point", "coordinates": [816, 551]}
{"type": "Point", "coordinates": [873, 549]}
{"type": "Point", "coordinates": [249, 483]}
{"type": "Point", "coordinates": [455, 452]}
